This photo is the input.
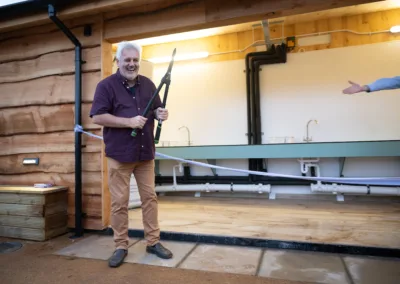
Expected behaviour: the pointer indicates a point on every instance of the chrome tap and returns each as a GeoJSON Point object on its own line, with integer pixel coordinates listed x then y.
{"type": "Point", "coordinates": [188, 131]}
{"type": "Point", "coordinates": [307, 138]}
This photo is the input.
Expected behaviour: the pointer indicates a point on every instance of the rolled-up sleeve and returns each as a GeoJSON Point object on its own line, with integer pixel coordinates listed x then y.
{"type": "Point", "coordinates": [102, 101]}
{"type": "Point", "coordinates": [385, 84]}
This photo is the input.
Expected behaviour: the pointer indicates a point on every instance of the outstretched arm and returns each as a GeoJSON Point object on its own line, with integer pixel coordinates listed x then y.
{"type": "Point", "coordinates": [378, 85]}
{"type": "Point", "coordinates": [385, 84]}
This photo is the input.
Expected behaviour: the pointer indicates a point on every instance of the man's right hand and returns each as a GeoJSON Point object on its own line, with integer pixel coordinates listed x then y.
{"type": "Point", "coordinates": [137, 122]}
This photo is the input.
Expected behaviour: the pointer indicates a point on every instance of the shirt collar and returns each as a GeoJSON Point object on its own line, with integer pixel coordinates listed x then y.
{"type": "Point", "coordinates": [124, 81]}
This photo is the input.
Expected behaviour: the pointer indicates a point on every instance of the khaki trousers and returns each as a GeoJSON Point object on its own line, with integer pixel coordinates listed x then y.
{"type": "Point", "coordinates": [119, 175]}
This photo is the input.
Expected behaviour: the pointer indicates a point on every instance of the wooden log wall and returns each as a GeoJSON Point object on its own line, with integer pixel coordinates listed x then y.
{"type": "Point", "coordinates": [37, 95]}
{"type": "Point", "coordinates": [370, 22]}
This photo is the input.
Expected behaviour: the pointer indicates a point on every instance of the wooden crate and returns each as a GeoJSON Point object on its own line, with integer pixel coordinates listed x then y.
{"type": "Point", "coordinates": [33, 213]}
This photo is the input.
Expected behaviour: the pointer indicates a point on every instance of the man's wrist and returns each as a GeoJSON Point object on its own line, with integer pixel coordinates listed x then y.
{"type": "Point", "coordinates": [366, 88]}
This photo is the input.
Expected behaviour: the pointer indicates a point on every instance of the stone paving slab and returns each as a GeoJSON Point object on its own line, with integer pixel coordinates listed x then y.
{"type": "Point", "coordinates": [97, 247]}
{"type": "Point", "coordinates": [303, 266]}
{"type": "Point", "coordinates": [373, 270]}
{"type": "Point", "coordinates": [137, 253]}
{"type": "Point", "coordinates": [218, 258]}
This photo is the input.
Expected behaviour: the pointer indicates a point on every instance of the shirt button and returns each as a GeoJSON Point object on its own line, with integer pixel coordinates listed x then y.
{"type": "Point", "coordinates": [133, 97]}
{"type": "Point", "coordinates": [138, 108]}
{"type": "Point", "coordinates": [142, 133]}
{"type": "Point", "coordinates": [142, 146]}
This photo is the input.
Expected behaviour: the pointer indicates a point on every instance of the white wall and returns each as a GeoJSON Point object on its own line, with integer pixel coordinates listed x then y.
{"type": "Point", "coordinates": [309, 86]}
{"type": "Point", "coordinates": [210, 98]}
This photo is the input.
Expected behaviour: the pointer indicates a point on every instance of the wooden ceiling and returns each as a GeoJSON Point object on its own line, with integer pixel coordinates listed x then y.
{"type": "Point", "coordinates": [288, 20]}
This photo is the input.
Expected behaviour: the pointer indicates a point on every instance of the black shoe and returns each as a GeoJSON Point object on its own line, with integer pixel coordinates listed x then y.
{"type": "Point", "coordinates": [159, 250]}
{"type": "Point", "coordinates": [117, 258]}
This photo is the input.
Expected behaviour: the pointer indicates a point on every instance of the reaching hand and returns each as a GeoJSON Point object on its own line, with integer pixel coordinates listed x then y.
{"type": "Point", "coordinates": [354, 88]}
{"type": "Point", "coordinates": [162, 113]}
{"type": "Point", "coordinates": [137, 122]}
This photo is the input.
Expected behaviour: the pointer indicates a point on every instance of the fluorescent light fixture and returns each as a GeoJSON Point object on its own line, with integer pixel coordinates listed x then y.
{"type": "Point", "coordinates": [176, 37]}
{"type": "Point", "coordinates": [31, 161]}
{"type": "Point", "coordinates": [179, 57]}
{"type": "Point", "coordinates": [395, 29]}
{"type": "Point", "coordinates": [314, 40]}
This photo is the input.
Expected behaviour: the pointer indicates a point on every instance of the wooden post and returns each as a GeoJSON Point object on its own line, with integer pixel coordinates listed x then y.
{"type": "Point", "coordinates": [106, 70]}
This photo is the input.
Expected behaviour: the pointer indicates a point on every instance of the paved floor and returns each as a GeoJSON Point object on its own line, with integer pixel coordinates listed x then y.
{"type": "Point", "coordinates": [271, 263]}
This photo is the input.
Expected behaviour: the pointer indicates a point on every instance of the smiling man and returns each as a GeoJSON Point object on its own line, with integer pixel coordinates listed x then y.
{"type": "Point", "coordinates": [118, 103]}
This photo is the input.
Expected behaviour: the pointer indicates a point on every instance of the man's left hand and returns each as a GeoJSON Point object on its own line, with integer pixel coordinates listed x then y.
{"type": "Point", "coordinates": [162, 113]}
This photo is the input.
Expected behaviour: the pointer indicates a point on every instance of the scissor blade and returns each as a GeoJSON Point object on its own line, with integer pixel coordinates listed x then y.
{"type": "Point", "coordinates": [172, 61]}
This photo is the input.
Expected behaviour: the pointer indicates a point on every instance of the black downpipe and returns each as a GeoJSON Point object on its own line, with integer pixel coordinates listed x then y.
{"type": "Point", "coordinates": [250, 90]}
{"type": "Point", "coordinates": [252, 104]}
{"type": "Point", "coordinates": [78, 111]}
{"type": "Point", "coordinates": [254, 60]}
{"type": "Point", "coordinates": [273, 56]}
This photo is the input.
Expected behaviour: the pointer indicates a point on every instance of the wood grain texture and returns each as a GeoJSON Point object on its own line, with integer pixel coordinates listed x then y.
{"type": "Point", "coordinates": [89, 222]}
{"type": "Point", "coordinates": [48, 90]}
{"type": "Point", "coordinates": [84, 9]}
{"type": "Point", "coordinates": [42, 119]}
{"type": "Point", "coordinates": [106, 70]}
{"type": "Point", "coordinates": [22, 198]}
{"type": "Point", "coordinates": [50, 163]}
{"type": "Point", "coordinates": [30, 233]}
{"type": "Point", "coordinates": [73, 23]}
{"type": "Point", "coordinates": [225, 47]}
{"type": "Point", "coordinates": [91, 181]}
{"type": "Point", "coordinates": [162, 22]}
{"type": "Point", "coordinates": [91, 205]}
{"type": "Point", "coordinates": [210, 13]}
{"type": "Point", "coordinates": [155, 7]}
{"type": "Point", "coordinates": [55, 63]}
{"type": "Point", "coordinates": [47, 143]}
{"type": "Point", "coordinates": [235, 11]}
{"type": "Point", "coordinates": [354, 222]}
{"type": "Point", "coordinates": [34, 45]}
{"type": "Point", "coordinates": [47, 222]}
{"type": "Point", "coordinates": [22, 233]}
{"type": "Point", "coordinates": [22, 221]}
{"type": "Point", "coordinates": [21, 210]}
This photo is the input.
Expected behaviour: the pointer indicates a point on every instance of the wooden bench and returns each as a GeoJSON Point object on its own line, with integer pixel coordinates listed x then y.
{"type": "Point", "coordinates": [33, 213]}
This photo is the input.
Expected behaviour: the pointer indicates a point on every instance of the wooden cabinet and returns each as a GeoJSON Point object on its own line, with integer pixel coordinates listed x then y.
{"type": "Point", "coordinates": [33, 213]}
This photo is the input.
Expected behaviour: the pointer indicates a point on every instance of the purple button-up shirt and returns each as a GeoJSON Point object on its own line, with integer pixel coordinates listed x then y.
{"type": "Point", "coordinates": [113, 96]}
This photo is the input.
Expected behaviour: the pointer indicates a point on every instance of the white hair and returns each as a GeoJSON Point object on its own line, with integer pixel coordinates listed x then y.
{"type": "Point", "coordinates": [128, 44]}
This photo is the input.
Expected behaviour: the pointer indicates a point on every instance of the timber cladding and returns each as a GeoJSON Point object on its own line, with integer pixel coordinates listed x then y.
{"type": "Point", "coordinates": [37, 95]}
{"type": "Point", "coordinates": [33, 213]}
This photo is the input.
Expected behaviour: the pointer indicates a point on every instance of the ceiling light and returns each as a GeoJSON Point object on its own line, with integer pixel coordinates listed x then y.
{"type": "Point", "coordinates": [314, 40]}
{"type": "Point", "coordinates": [176, 37]}
{"type": "Point", "coordinates": [395, 29]}
{"type": "Point", "coordinates": [180, 57]}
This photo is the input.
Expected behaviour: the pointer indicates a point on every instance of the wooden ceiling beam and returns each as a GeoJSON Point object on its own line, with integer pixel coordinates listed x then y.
{"type": "Point", "coordinates": [85, 9]}
{"type": "Point", "coordinates": [211, 13]}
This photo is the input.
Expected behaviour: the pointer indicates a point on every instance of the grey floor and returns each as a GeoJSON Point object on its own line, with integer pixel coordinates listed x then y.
{"type": "Point", "coordinates": [272, 263]}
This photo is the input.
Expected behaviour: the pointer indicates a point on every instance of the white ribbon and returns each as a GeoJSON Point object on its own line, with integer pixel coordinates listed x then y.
{"type": "Point", "coordinates": [392, 181]}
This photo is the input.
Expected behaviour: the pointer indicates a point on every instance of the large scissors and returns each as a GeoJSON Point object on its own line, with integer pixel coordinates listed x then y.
{"type": "Point", "coordinates": [167, 81]}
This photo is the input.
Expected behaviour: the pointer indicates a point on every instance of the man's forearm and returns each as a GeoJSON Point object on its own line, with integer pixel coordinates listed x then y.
{"type": "Point", "coordinates": [384, 84]}
{"type": "Point", "coordinates": [109, 120]}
